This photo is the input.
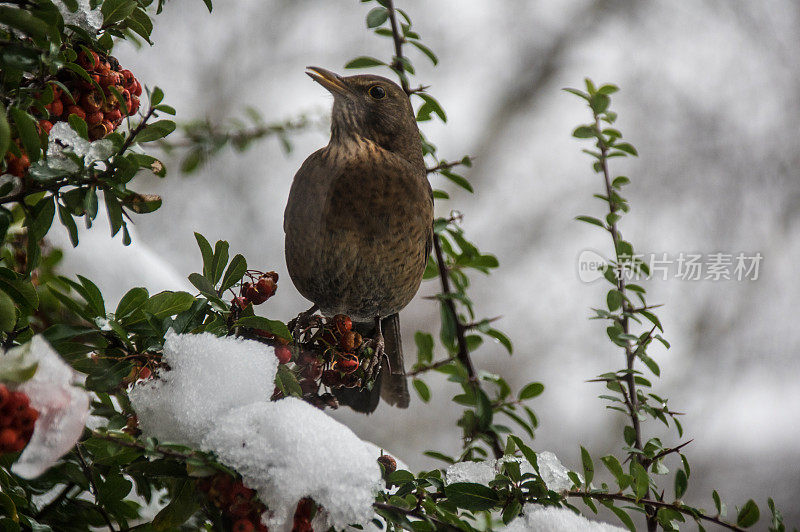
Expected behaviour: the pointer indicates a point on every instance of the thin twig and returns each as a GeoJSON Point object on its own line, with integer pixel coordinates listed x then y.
{"type": "Point", "coordinates": [87, 472]}
{"type": "Point", "coordinates": [429, 367]}
{"type": "Point", "coordinates": [440, 525]}
{"type": "Point", "coordinates": [447, 165]}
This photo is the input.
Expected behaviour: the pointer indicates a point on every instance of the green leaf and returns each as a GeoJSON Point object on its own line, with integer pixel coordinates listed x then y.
{"type": "Point", "coordinates": [471, 496]}
{"type": "Point", "coordinates": [641, 482]}
{"type": "Point", "coordinates": [424, 343]}
{"type": "Point", "coordinates": [502, 338]}
{"type": "Point", "coordinates": [286, 381]}
{"type": "Point", "coordinates": [583, 132]}
{"type": "Point", "coordinates": [748, 515]}
{"type": "Point", "coordinates": [156, 130]}
{"type": "Point", "coordinates": [234, 273]}
{"type": "Point", "coordinates": [20, 289]}
{"type": "Point", "coordinates": [621, 514]}
{"type": "Point", "coordinates": [41, 218]}
{"type": "Point", "coordinates": [588, 466]}
{"type": "Point", "coordinates": [614, 300]}
{"type": "Point", "coordinates": [156, 96]}
{"type": "Point", "coordinates": [276, 327]}
{"type": "Point", "coordinates": [8, 313]}
{"type": "Point", "coordinates": [433, 105]}
{"type": "Point", "coordinates": [425, 50]}
{"type": "Point", "coordinates": [114, 212]}
{"type": "Point", "coordinates": [531, 390]}
{"type": "Point", "coordinates": [627, 148]}
{"type": "Point", "coordinates": [422, 389]}
{"type": "Point", "coordinates": [23, 21]}
{"type": "Point", "coordinates": [131, 301]}
{"type": "Point", "coordinates": [208, 255]}
{"type": "Point", "coordinates": [219, 261]}
{"type": "Point", "coordinates": [28, 133]}
{"type": "Point", "coordinates": [681, 483]}
{"type": "Point", "coordinates": [591, 220]}
{"type": "Point", "coordinates": [180, 508]}
{"type": "Point", "coordinates": [117, 10]}
{"type": "Point", "coordinates": [167, 303]}
{"type": "Point", "coordinates": [5, 132]}
{"type": "Point", "coordinates": [67, 221]}
{"type": "Point", "coordinates": [620, 181]}
{"type": "Point", "coordinates": [613, 465]}
{"type": "Point", "coordinates": [377, 16]}
{"type": "Point", "coordinates": [364, 62]}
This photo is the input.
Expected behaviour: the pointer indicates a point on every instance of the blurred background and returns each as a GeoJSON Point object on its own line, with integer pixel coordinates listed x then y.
{"type": "Point", "coordinates": [710, 99]}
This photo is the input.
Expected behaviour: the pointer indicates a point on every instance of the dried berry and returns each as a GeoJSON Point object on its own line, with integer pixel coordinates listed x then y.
{"type": "Point", "coordinates": [342, 323]}
{"type": "Point", "coordinates": [389, 464]}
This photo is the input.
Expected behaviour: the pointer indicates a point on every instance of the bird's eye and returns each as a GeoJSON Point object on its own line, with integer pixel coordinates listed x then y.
{"type": "Point", "coordinates": [377, 92]}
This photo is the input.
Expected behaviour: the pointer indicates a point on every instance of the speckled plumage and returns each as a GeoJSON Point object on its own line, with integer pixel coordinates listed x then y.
{"type": "Point", "coordinates": [359, 217]}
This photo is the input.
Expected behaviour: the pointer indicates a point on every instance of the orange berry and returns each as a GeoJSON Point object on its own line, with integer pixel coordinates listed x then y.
{"type": "Point", "coordinates": [243, 525]}
{"type": "Point", "coordinates": [8, 440]}
{"type": "Point", "coordinates": [4, 394]}
{"type": "Point", "coordinates": [46, 126]}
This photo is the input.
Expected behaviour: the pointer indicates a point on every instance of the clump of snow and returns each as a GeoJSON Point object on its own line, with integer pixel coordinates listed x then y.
{"type": "Point", "coordinates": [288, 450]}
{"type": "Point", "coordinates": [552, 519]}
{"type": "Point", "coordinates": [209, 377]}
{"type": "Point", "coordinates": [62, 138]}
{"type": "Point", "coordinates": [553, 473]}
{"type": "Point", "coordinates": [480, 472]}
{"type": "Point", "coordinates": [63, 407]}
{"type": "Point", "coordinates": [84, 17]}
{"type": "Point", "coordinates": [215, 397]}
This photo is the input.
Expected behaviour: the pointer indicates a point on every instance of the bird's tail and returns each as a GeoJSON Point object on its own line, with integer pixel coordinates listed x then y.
{"type": "Point", "coordinates": [394, 386]}
{"type": "Point", "coordinates": [391, 384]}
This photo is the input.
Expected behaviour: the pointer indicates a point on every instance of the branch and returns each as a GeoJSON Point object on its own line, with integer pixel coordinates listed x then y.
{"type": "Point", "coordinates": [87, 472]}
{"type": "Point", "coordinates": [463, 351]}
{"type": "Point", "coordinates": [434, 365]}
{"type": "Point", "coordinates": [440, 525]}
{"type": "Point", "coordinates": [632, 401]}
{"type": "Point", "coordinates": [677, 506]}
{"type": "Point", "coordinates": [397, 64]}
{"type": "Point", "coordinates": [445, 165]}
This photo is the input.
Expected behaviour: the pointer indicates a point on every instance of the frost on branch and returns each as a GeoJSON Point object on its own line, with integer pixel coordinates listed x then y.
{"type": "Point", "coordinates": [215, 397]}
{"type": "Point", "coordinates": [84, 17]}
{"type": "Point", "coordinates": [552, 519]}
{"type": "Point", "coordinates": [63, 408]}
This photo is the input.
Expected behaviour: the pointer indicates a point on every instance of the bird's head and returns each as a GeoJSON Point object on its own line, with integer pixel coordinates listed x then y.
{"type": "Point", "coordinates": [373, 108]}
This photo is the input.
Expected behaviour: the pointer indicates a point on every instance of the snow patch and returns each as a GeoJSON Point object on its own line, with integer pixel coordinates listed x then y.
{"type": "Point", "coordinates": [215, 397]}
{"type": "Point", "coordinates": [553, 473]}
{"type": "Point", "coordinates": [552, 519]}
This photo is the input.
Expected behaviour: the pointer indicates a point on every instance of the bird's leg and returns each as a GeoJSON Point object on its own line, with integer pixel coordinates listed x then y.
{"type": "Point", "coordinates": [296, 325]}
{"type": "Point", "coordinates": [377, 344]}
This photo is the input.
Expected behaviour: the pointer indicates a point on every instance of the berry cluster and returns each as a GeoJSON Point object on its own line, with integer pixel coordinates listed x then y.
{"type": "Point", "coordinates": [331, 354]}
{"type": "Point", "coordinates": [237, 502]}
{"type": "Point", "coordinates": [17, 420]}
{"type": "Point", "coordinates": [261, 287]}
{"type": "Point", "coordinates": [99, 102]}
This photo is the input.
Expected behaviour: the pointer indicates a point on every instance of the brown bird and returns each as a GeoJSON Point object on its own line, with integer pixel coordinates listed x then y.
{"type": "Point", "coordinates": [359, 218]}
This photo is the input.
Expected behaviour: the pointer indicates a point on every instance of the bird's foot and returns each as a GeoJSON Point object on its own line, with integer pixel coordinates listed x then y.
{"type": "Point", "coordinates": [372, 364]}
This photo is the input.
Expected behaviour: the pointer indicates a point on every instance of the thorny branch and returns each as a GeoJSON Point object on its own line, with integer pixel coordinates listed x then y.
{"type": "Point", "coordinates": [462, 354]}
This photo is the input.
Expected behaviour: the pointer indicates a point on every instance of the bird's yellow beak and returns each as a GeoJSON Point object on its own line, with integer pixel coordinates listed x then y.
{"type": "Point", "coordinates": [330, 80]}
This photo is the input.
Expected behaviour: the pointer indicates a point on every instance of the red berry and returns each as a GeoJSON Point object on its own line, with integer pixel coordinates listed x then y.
{"type": "Point", "coordinates": [27, 418]}
{"type": "Point", "coordinates": [4, 394]}
{"type": "Point", "coordinates": [75, 110]}
{"type": "Point", "coordinates": [240, 508]}
{"type": "Point", "coordinates": [113, 115]}
{"type": "Point", "coordinates": [56, 108]}
{"type": "Point", "coordinates": [8, 440]}
{"type": "Point", "coordinates": [348, 365]}
{"type": "Point", "coordinates": [88, 61]}
{"type": "Point", "coordinates": [350, 341]}
{"type": "Point", "coordinates": [91, 102]}
{"type": "Point", "coordinates": [46, 125]}
{"type": "Point", "coordinates": [343, 323]}
{"type": "Point", "coordinates": [304, 508]}
{"type": "Point", "coordinates": [243, 525]}
{"type": "Point", "coordinates": [134, 106]}
{"type": "Point", "coordinates": [283, 353]}
{"type": "Point", "coordinates": [145, 373]}
{"type": "Point", "coordinates": [266, 286]}
{"type": "Point", "coordinates": [137, 88]}
{"type": "Point", "coordinates": [94, 118]}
